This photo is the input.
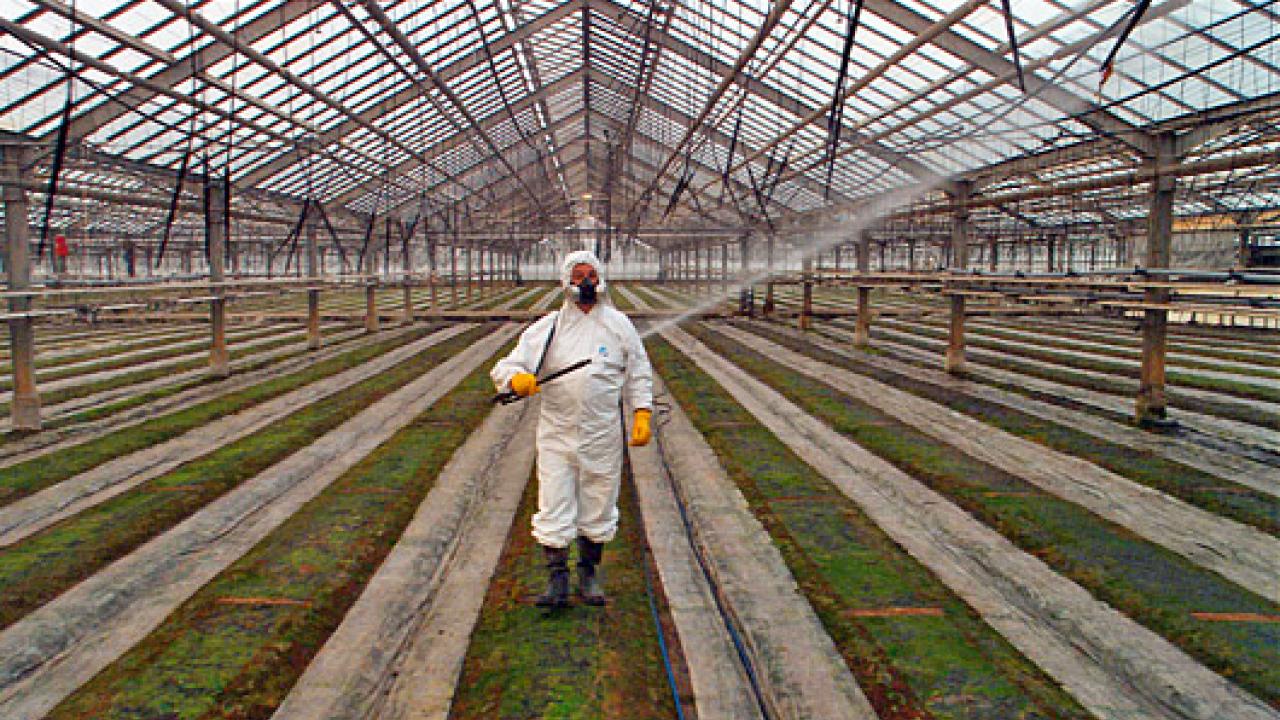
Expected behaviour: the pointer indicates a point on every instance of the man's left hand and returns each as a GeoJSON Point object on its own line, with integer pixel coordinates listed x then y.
{"type": "Point", "coordinates": [641, 433]}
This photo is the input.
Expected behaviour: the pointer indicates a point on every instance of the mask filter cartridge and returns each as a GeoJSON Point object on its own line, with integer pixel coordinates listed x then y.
{"type": "Point", "coordinates": [585, 292]}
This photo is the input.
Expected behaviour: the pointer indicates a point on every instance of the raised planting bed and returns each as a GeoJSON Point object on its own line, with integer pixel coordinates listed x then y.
{"type": "Point", "coordinates": [1228, 410]}
{"type": "Point", "coordinates": [22, 479]}
{"type": "Point", "coordinates": [578, 662]}
{"type": "Point", "coordinates": [1150, 584]}
{"type": "Point", "coordinates": [109, 361]}
{"type": "Point", "coordinates": [915, 648]}
{"type": "Point", "coordinates": [46, 563]}
{"type": "Point", "coordinates": [536, 297]}
{"type": "Point", "coordinates": [1198, 488]}
{"type": "Point", "coordinates": [89, 408]}
{"type": "Point", "coordinates": [1065, 356]}
{"type": "Point", "coordinates": [125, 377]}
{"type": "Point", "coordinates": [235, 648]}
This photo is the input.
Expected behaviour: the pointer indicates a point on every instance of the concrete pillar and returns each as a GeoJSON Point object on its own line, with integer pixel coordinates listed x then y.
{"type": "Point", "coordinates": [219, 357]}
{"type": "Point", "coordinates": [1151, 407]}
{"type": "Point", "coordinates": [959, 260]}
{"type": "Point", "coordinates": [24, 409]}
{"type": "Point", "coordinates": [313, 293]}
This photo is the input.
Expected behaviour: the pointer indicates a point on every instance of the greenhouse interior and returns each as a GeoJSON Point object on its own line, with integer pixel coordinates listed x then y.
{"type": "Point", "coordinates": [639, 359]}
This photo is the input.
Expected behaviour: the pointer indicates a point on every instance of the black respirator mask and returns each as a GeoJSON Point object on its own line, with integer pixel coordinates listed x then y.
{"type": "Point", "coordinates": [584, 292]}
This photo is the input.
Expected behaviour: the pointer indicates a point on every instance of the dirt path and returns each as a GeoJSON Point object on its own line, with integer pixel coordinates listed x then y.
{"type": "Point", "coordinates": [51, 652]}
{"type": "Point", "coordinates": [1113, 666]}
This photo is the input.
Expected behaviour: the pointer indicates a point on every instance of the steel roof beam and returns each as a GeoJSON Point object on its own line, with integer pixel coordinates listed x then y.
{"type": "Point", "coordinates": [255, 30]}
{"type": "Point", "coordinates": [759, 89]}
{"type": "Point", "coordinates": [1076, 107]}
{"type": "Point", "coordinates": [406, 46]}
{"type": "Point", "coordinates": [455, 69]}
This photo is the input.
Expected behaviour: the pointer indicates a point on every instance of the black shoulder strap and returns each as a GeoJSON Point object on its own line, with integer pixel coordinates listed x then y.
{"type": "Point", "coordinates": [550, 336]}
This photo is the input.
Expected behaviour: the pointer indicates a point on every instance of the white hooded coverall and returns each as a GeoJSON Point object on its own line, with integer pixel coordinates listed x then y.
{"type": "Point", "coordinates": [580, 438]}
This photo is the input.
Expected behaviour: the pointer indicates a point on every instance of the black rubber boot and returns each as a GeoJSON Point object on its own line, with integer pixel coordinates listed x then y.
{"type": "Point", "coordinates": [557, 594]}
{"type": "Point", "coordinates": [590, 583]}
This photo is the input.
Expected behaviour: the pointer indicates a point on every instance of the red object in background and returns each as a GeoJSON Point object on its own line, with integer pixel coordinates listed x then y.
{"type": "Point", "coordinates": [60, 246]}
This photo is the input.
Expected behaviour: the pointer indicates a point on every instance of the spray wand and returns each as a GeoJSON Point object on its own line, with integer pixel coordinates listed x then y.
{"type": "Point", "coordinates": [510, 396]}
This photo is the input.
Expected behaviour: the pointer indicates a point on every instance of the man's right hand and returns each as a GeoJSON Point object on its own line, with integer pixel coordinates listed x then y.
{"type": "Point", "coordinates": [524, 384]}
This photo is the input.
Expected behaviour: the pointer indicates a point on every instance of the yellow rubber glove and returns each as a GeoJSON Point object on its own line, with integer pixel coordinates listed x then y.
{"type": "Point", "coordinates": [640, 430]}
{"type": "Point", "coordinates": [524, 384]}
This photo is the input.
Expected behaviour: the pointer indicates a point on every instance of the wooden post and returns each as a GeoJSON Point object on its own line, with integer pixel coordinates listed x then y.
{"type": "Point", "coordinates": [959, 261]}
{"type": "Point", "coordinates": [406, 261]}
{"type": "Point", "coordinates": [313, 292]}
{"type": "Point", "coordinates": [1150, 407]}
{"type": "Point", "coordinates": [453, 274]}
{"type": "Point", "coordinates": [767, 308]}
{"type": "Point", "coordinates": [707, 264]}
{"type": "Point", "coordinates": [471, 251]}
{"type": "Point", "coordinates": [24, 409]}
{"type": "Point", "coordinates": [724, 267]}
{"type": "Point", "coordinates": [371, 324]}
{"type": "Point", "coordinates": [862, 325]}
{"type": "Point", "coordinates": [219, 357]}
{"type": "Point", "coordinates": [806, 309]}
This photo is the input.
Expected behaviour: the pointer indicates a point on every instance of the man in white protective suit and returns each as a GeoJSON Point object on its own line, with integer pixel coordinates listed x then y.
{"type": "Point", "coordinates": [580, 429]}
